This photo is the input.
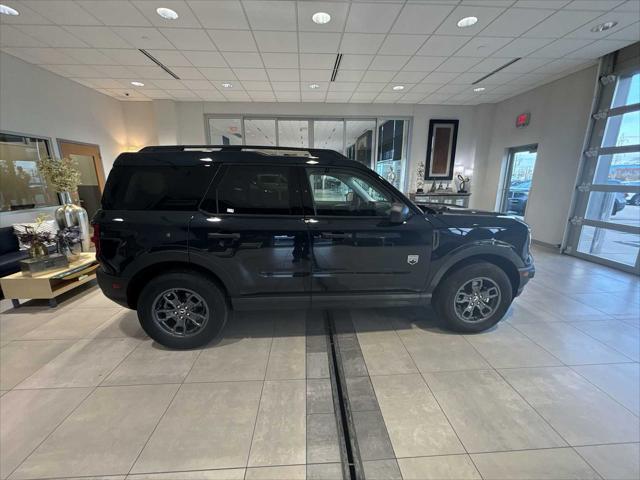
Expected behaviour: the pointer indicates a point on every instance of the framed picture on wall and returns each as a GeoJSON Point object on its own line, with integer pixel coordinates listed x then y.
{"type": "Point", "coordinates": [441, 149]}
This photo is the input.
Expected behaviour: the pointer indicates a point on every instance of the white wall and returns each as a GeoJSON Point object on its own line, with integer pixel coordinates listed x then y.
{"type": "Point", "coordinates": [559, 119]}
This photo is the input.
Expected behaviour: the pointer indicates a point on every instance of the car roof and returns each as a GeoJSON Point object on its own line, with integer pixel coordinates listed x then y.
{"type": "Point", "coordinates": [191, 155]}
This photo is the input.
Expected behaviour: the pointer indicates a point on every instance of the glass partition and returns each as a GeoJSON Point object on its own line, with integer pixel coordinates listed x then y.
{"type": "Point", "coordinates": [359, 140]}
{"type": "Point", "coordinates": [260, 131]}
{"type": "Point", "coordinates": [392, 150]}
{"type": "Point", "coordinates": [225, 131]}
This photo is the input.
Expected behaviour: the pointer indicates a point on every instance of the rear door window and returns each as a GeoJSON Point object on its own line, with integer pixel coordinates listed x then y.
{"type": "Point", "coordinates": [254, 190]}
{"type": "Point", "coordinates": [156, 188]}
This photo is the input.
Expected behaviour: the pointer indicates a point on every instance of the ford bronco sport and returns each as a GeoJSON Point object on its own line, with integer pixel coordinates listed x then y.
{"type": "Point", "coordinates": [188, 233]}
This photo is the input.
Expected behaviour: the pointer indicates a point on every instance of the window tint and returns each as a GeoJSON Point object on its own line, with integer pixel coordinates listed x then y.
{"type": "Point", "coordinates": [346, 193]}
{"type": "Point", "coordinates": [254, 190]}
{"type": "Point", "coordinates": [156, 188]}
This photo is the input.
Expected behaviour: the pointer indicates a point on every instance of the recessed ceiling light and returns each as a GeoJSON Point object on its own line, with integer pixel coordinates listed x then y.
{"type": "Point", "coordinates": [321, 18]}
{"type": "Point", "coordinates": [479, 89]}
{"type": "Point", "coordinates": [137, 84]}
{"type": "Point", "coordinates": [5, 10]}
{"type": "Point", "coordinates": [397, 88]}
{"type": "Point", "coordinates": [603, 26]}
{"type": "Point", "coordinates": [467, 22]}
{"type": "Point", "coordinates": [314, 86]}
{"type": "Point", "coordinates": [167, 13]}
{"type": "Point", "coordinates": [227, 85]}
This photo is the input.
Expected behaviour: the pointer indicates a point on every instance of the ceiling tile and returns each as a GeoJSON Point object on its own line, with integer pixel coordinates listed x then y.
{"type": "Point", "coordinates": [149, 72]}
{"type": "Point", "coordinates": [81, 71]}
{"type": "Point", "coordinates": [188, 73]}
{"type": "Point", "coordinates": [526, 65]}
{"type": "Point", "coordinates": [374, 76]}
{"type": "Point", "coordinates": [205, 59]}
{"type": "Point", "coordinates": [169, 84]}
{"type": "Point", "coordinates": [598, 49]}
{"type": "Point", "coordinates": [277, 42]}
{"type": "Point", "coordinates": [170, 58]}
{"type": "Point", "coordinates": [402, 44]}
{"type": "Point", "coordinates": [409, 77]}
{"type": "Point", "coordinates": [420, 18]}
{"type": "Point", "coordinates": [98, 37]}
{"type": "Point", "coordinates": [361, 42]}
{"type": "Point", "coordinates": [256, 85]}
{"type": "Point", "coordinates": [338, 12]}
{"type": "Point", "coordinates": [237, 96]}
{"type": "Point", "coordinates": [271, 15]}
{"type": "Point", "coordinates": [198, 84]}
{"type": "Point", "coordinates": [387, 98]}
{"type": "Point", "coordinates": [485, 16]}
{"type": "Point", "coordinates": [457, 64]}
{"type": "Point", "coordinates": [115, 12]}
{"type": "Point", "coordinates": [210, 95]}
{"type": "Point", "coordinates": [139, 37]}
{"type": "Point", "coordinates": [107, 83]}
{"type": "Point", "coordinates": [283, 74]}
{"type": "Point", "coordinates": [515, 21]}
{"type": "Point", "coordinates": [27, 16]}
{"type": "Point", "coordinates": [623, 20]}
{"type": "Point", "coordinates": [49, 56]}
{"type": "Point", "coordinates": [370, 87]}
{"type": "Point", "coordinates": [426, 87]}
{"type": "Point", "coordinates": [355, 62]}
{"type": "Point", "coordinates": [337, 97]}
{"type": "Point", "coordinates": [389, 62]}
{"type": "Point", "coordinates": [243, 59]}
{"type": "Point", "coordinates": [359, 97]}
{"type": "Point", "coordinates": [442, 45]}
{"type": "Point", "coordinates": [453, 88]}
{"type": "Point", "coordinates": [603, 5]}
{"type": "Point", "coordinates": [313, 96]}
{"type": "Point", "coordinates": [126, 56]}
{"type": "Point", "coordinates": [217, 73]}
{"type": "Point", "coordinates": [62, 12]}
{"type": "Point", "coordinates": [51, 35]}
{"type": "Point", "coordinates": [286, 86]}
{"type": "Point", "coordinates": [317, 60]}
{"type": "Point", "coordinates": [631, 33]}
{"type": "Point", "coordinates": [468, 77]}
{"type": "Point", "coordinates": [558, 66]}
{"type": "Point", "coordinates": [316, 42]}
{"type": "Point", "coordinates": [371, 17]}
{"type": "Point", "coordinates": [115, 71]}
{"type": "Point", "coordinates": [500, 78]}
{"type": "Point", "coordinates": [559, 48]}
{"type": "Point", "coordinates": [315, 75]}
{"type": "Point", "coordinates": [87, 56]}
{"type": "Point", "coordinates": [349, 75]}
{"type": "Point", "coordinates": [558, 24]}
{"type": "Point", "coordinates": [183, 94]}
{"type": "Point", "coordinates": [219, 13]}
{"type": "Point", "coordinates": [10, 36]}
{"type": "Point", "coordinates": [521, 47]}
{"type": "Point", "coordinates": [482, 46]}
{"type": "Point", "coordinates": [157, 94]}
{"type": "Point", "coordinates": [262, 96]}
{"type": "Point", "coordinates": [489, 65]}
{"type": "Point", "coordinates": [439, 77]}
{"type": "Point", "coordinates": [280, 60]}
{"type": "Point", "coordinates": [251, 74]}
{"type": "Point", "coordinates": [489, 3]}
{"type": "Point", "coordinates": [288, 96]}
{"type": "Point", "coordinates": [233, 40]}
{"type": "Point", "coordinates": [188, 38]}
{"type": "Point", "coordinates": [186, 18]}
{"type": "Point", "coordinates": [342, 86]}
{"type": "Point", "coordinates": [424, 64]}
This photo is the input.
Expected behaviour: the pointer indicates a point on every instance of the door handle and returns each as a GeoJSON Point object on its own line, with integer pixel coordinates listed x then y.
{"type": "Point", "coordinates": [231, 236]}
{"type": "Point", "coordinates": [335, 236]}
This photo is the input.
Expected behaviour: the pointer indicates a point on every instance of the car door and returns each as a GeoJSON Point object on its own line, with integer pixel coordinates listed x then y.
{"type": "Point", "coordinates": [251, 232]}
{"type": "Point", "coordinates": [356, 249]}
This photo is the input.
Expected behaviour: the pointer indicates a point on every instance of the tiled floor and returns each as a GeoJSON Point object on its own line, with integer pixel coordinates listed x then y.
{"type": "Point", "coordinates": [551, 392]}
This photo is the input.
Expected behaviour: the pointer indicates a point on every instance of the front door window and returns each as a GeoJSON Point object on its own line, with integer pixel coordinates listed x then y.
{"type": "Point", "coordinates": [518, 180]}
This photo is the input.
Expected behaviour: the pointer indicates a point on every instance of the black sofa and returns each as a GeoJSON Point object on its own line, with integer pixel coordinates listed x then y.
{"type": "Point", "coordinates": [10, 253]}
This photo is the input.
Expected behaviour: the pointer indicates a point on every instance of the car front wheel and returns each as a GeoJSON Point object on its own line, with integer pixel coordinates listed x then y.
{"type": "Point", "coordinates": [182, 310]}
{"type": "Point", "coordinates": [473, 298]}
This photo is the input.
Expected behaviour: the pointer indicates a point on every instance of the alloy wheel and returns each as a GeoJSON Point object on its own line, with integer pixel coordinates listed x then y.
{"type": "Point", "coordinates": [180, 312]}
{"type": "Point", "coordinates": [477, 299]}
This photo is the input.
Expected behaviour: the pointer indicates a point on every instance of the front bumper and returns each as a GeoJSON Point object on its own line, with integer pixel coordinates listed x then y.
{"type": "Point", "coordinates": [114, 288]}
{"type": "Point", "coordinates": [525, 274]}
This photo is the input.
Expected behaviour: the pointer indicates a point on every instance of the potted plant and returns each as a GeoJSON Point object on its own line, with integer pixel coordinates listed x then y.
{"type": "Point", "coordinates": [36, 238]}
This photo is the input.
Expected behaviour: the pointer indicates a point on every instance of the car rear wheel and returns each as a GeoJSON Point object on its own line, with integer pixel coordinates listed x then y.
{"type": "Point", "coordinates": [182, 310]}
{"type": "Point", "coordinates": [473, 298]}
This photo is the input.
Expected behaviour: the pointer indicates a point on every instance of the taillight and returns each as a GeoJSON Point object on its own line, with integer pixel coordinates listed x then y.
{"type": "Point", "coordinates": [95, 238]}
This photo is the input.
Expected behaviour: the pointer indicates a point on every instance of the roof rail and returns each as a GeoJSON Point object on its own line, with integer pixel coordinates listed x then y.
{"type": "Point", "coordinates": [182, 148]}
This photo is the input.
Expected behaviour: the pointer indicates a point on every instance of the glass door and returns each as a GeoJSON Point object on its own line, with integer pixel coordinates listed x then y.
{"type": "Point", "coordinates": [605, 226]}
{"type": "Point", "coordinates": [521, 162]}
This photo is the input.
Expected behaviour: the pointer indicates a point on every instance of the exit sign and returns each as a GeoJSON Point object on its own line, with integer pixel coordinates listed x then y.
{"type": "Point", "coordinates": [522, 120]}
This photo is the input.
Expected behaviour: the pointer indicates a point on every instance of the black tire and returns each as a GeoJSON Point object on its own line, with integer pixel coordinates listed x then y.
{"type": "Point", "coordinates": [210, 295]}
{"type": "Point", "coordinates": [444, 300]}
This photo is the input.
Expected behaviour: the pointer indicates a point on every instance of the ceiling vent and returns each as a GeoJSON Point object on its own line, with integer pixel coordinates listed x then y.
{"type": "Point", "coordinates": [336, 67]}
{"type": "Point", "coordinates": [159, 63]}
{"type": "Point", "coordinates": [497, 70]}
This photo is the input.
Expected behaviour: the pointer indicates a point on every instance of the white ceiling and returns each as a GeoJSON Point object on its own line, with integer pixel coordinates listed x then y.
{"type": "Point", "coordinates": [272, 51]}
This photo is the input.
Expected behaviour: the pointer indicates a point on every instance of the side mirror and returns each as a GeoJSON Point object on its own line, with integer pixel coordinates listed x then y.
{"type": "Point", "coordinates": [399, 213]}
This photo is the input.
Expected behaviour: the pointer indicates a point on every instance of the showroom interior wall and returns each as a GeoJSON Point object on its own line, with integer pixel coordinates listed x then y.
{"type": "Point", "coordinates": [559, 118]}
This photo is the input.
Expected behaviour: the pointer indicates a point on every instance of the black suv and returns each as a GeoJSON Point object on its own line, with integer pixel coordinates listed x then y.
{"type": "Point", "coordinates": [187, 233]}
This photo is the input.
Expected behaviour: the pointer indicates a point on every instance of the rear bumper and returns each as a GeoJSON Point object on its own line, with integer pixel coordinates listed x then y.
{"type": "Point", "coordinates": [114, 288]}
{"type": "Point", "coordinates": [525, 274]}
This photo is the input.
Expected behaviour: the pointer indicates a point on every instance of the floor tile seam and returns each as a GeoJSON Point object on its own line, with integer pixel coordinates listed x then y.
{"type": "Point", "coordinates": [604, 391]}
{"type": "Point", "coordinates": [437, 403]}
{"type": "Point", "coordinates": [598, 340]}
{"type": "Point", "coordinates": [540, 345]}
{"type": "Point", "coordinates": [264, 379]}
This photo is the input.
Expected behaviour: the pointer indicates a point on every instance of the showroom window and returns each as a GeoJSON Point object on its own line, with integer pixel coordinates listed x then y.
{"type": "Point", "coordinates": [23, 186]}
{"type": "Point", "coordinates": [379, 143]}
{"type": "Point", "coordinates": [605, 225]}
{"type": "Point", "coordinates": [253, 190]}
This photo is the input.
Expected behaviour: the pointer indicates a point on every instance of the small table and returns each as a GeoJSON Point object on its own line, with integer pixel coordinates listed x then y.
{"type": "Point", "coordinates": [458, 199]}
{"type": "Point", "coordinates": [48, 284]}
